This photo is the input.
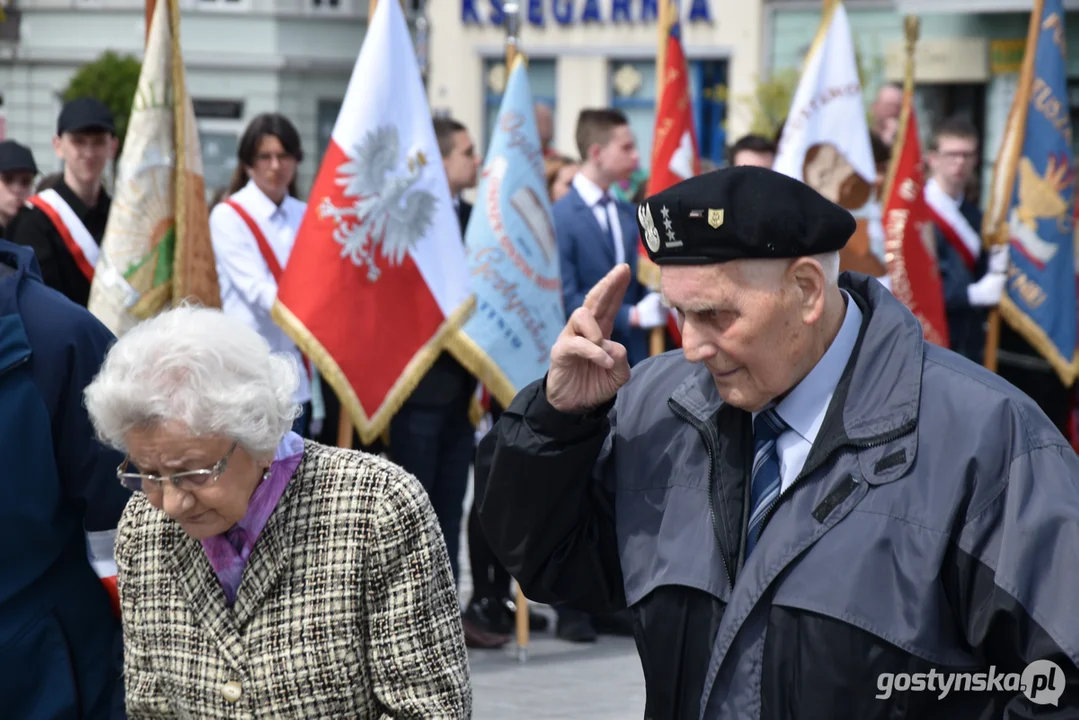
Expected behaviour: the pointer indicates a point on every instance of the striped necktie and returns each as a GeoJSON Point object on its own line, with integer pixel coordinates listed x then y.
{"type": "Point", "coordinates": [765, 483]}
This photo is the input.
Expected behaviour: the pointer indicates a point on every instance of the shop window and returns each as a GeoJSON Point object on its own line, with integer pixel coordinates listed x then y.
{"type": "Point", "coordinates": [633, 91]}
{"type": "Point", "coordinates": [326, 117]}
{"type": "Point", "coordinates": [541, 80]}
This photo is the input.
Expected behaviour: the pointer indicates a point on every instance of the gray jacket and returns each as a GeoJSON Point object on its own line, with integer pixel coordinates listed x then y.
{"type": "Point", "coordinates": [933, 529]}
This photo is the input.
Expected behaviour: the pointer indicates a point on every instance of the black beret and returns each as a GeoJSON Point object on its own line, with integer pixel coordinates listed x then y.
{"type": "Point", "coordinates": [740, 213]}
{"type": "Point", "coordinates": [16, 158]}
{"type": "Point", "coordinates": [85, 113]}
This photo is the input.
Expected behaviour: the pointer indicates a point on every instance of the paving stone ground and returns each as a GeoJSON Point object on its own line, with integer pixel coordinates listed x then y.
{"type": "Point", "coordinates": [558, 679]}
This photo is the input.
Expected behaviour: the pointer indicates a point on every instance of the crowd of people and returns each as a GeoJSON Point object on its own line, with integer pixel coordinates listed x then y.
{"type": "Point", "coordinates": [258, 569]}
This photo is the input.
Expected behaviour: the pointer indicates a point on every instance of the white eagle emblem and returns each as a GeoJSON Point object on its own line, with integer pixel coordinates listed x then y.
{"type": "Point", "coordinates": [651, 234]}
{"type": "Point", "coordinates": [384, 211]}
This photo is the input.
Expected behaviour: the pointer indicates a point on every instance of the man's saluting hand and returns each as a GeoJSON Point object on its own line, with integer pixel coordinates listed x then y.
{"type": "Point", "coordinates": [587, 367]}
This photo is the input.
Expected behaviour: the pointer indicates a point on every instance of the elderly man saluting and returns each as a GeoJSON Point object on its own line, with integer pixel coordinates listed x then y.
{"type": "Point", "coordinates": [812, 513]}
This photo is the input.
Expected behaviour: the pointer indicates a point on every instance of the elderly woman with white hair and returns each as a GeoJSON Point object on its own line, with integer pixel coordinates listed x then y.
{"type": "Point", "coordinates": [262, 575]}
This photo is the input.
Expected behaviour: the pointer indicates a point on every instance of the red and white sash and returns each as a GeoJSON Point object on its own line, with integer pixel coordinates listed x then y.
{"type": "Point", "coordinates": [966, 240]}
{"type": "Point", "coordinates": [99, 550]}
{"type": "Point", "coordinates": [78, 240]}
{"type": "Point", "coordinates": [266, 251]}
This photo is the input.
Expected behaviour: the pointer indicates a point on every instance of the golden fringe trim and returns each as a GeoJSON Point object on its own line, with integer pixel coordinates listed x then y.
{"type": "Point", "coordinates": [1033, 333]}
{"type": "Point", "coordinates": [647, 273]}
{"type": "Point", "coordinates": [153, 301]}
{"type": "Point", "coordinates": [480, 364]}
{"type": "Point", "coordinates": [371, 427]}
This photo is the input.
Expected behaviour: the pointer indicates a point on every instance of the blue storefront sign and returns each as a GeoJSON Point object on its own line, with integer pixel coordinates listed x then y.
{"type": "Point", "coordinates": [572, 12]}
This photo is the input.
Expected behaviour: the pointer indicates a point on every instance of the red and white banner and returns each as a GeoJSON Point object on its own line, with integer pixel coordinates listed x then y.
{"type": "Point", "coordinates": [966, 240]}
{"type": "Point", "coordinates": [376, 282]}
{"type": "Point", "coordinates": [910, 242]}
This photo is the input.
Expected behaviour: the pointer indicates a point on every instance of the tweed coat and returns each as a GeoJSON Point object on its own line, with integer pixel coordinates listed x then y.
{"type": "Point", "coordinates": [347, 607]}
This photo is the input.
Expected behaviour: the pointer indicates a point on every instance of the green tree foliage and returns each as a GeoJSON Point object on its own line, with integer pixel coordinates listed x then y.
{"type": "Point", "coordinates": [113, 79]}
{"type": "Point", "coordinates": [771, 101]}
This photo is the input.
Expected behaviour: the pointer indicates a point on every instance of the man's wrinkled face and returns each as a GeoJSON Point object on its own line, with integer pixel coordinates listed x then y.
{"type": "Point", "coordinates": [15, 187]}
{"type": "Point", "coordinates": [741, 319]}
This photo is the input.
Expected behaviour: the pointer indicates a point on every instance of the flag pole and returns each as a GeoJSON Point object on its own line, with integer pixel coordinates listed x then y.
{"type": "Point", "coordinates": [657, 337]}
{"type": "Point", "coordinates": [911, 27]}
{"type": "Point", "coordinates": [151, 5]}
{"type": "Point", "coordinates": [511, 11]}
{"type": "Point", "coordinates": [995, 229]}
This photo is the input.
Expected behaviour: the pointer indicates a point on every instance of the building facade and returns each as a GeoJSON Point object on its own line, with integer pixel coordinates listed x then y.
{"type": "Point", "coordinates": [966, 61]}
{"type": "Point", "coordinates": [242, 58]}
{"type": "Point", "coordinates": [594, 53]}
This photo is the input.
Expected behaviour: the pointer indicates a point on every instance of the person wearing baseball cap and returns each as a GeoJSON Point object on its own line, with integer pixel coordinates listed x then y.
{"type": "Point", "coordinates": [64, 225]}
{"type": "Point", "coordinates": [806, 505]}
{"type": "Point", "coordinates": [17, 171]}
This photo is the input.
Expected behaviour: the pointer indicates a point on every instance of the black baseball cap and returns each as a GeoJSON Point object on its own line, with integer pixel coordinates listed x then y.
{"type": "Point", "coordinates": [85, 114]}
{"type": "Point", "coordinates": [16, 158]}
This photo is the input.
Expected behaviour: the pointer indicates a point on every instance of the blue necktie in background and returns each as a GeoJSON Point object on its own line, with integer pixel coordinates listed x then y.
{"type": "Point", "coordinates": [604, 204]}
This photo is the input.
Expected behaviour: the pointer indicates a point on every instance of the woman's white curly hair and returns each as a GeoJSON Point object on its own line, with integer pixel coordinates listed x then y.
{"type": "Point", "coordinates": [199, 367]}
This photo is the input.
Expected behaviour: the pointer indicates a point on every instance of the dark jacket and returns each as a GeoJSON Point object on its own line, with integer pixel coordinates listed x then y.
{"type": "Point", "coordinates": [33, 228]}
{"type": "Point", "coordinates": [932, 529]}
{"type": "Point", "coordinates": [966, 324]}
{"type": "Point", "coordinates": [447, 381]}
{"type": "Point", "coordinates": [586, 256]}
{"type": "Point", "coordinates": [60, 643]}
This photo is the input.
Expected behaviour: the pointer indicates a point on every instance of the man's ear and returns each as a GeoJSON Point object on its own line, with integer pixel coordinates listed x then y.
{"type": "Point", "coordinates": [807, 276]}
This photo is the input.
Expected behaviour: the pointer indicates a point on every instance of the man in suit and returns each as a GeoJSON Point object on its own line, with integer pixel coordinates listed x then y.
{"type": "Point", "coordinates": [432, 436]}
{"type": "Point", "coordinates": [973, 279]}
{"type": "Point", "coordinates": [596, 232]}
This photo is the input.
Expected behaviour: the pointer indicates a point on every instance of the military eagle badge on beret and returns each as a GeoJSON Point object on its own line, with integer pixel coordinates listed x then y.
{"type": "Point", "coordinates": [651, 234]}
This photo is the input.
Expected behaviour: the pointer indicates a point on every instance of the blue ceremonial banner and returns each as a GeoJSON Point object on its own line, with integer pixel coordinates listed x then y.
{"type": "Point", "coordinates": [1041, 298]}
{"type": "Point", "coordinates": [512, 255]}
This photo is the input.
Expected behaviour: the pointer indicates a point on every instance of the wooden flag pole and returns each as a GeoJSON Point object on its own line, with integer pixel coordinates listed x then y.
{"type": "Point", "coordinates": [998, 232]}
{"type": "Point", "coordinates": [657, 337]}
{"type": "Point", "coordinates": [511, 11]}
{"type": "Point", "coordinates": [151, 6]}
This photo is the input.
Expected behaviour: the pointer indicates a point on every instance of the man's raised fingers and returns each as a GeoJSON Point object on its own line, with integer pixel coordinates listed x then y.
{"type": "Point", "coordinates": [605, 297]}
{"type": "Point", "coordinates": [580, 348]}
{"type": "Point", "coordinates": [583, 324]}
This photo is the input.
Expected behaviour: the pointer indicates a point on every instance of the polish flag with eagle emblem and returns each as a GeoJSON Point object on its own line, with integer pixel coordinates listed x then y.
{"type": "Point", "coordinates": [377, 281]}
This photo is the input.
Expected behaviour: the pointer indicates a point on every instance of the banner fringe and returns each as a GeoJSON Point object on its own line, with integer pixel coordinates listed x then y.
{"type": "Point", "coordinates": [371, 427]}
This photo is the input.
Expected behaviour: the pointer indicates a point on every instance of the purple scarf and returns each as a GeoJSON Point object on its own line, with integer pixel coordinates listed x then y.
{"type": "Point", "coordinates": [230, 551]}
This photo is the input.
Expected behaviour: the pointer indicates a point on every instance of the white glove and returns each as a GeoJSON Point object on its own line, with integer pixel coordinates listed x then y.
{"type": "Point", "coordinates": [987, 291]}
{"type": "Point", "coordinates": [650, 311]}
{"type": "Point", "coordinates": [998, 259]}
{"type": "Point", "coordinates": [886, 281]}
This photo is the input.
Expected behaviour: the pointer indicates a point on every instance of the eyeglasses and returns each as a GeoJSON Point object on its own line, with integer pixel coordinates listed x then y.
{"type": "Point", "coordinates": [186, 481]}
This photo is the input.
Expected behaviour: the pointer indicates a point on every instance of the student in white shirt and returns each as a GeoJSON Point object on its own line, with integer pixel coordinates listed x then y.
{"type": "Point", "coordinates": [253, 231]}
